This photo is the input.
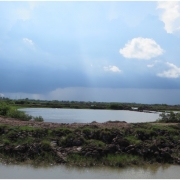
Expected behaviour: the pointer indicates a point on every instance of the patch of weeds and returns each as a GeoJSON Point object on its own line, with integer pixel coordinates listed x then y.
{"type": "Point", "coordinates": [68, 140]}
{"type": "Point", "coordinates": [96, 143]}
{"type": "Point", "coordinates": [27, 140]}
{"type": "Point", "coordinates": [175, 127]}
{"type": "Point", "coordinates": [168, 128]}
{"type": "Point", "coordinates": [162, 138]}
{"type": "Point", "coordinates": [6, 141]}
{"type": "Point", "coordinates": [81, 160]}
{"type": "Point", "coordinates": [87, 130]}
{"type": "Point", "coordinates": [121, 160]}
{"type": "Point", "coordinates": [62, 131]}
{"type": "Point", "coordinates": [14, 113]}
{"type": "Point", "coordinates": [143, 130]}
{"type": "Point", "coordinates": [46, 145]}
{"type": "Point", "coordinates": [132, 140]}
{"type": "Point", "coordinates": [45, 157]}
{"type": "Point", "coordinates": [176, 137]}
{"type": "Point", "coordinates": [106, 131]}
{"type": "Point", "coordinates": [38, 119]}
{"type": "Point", "coordinates": [5, 126]}
{"type": "Point", "coordinates": [28, 128]}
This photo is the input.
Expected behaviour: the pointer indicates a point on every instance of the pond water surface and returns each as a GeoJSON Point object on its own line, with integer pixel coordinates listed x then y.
{"type": "Point", "coordinates": [89, 115]}
{"type": "Point", "coordinates": [67, 172]}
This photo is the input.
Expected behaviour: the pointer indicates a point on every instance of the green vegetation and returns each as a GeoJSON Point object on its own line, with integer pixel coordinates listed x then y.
{"type": "Point", "coordinates": [21, 103]}
{"type": "Point", "coordinates": [119, 160]}
{"type": "Point", "coordinates": [96, 143]}
{"type": "Point", "coordinates": [170, 117]}
{"type": "Point", "coordinates": [132, 140]}
{"type": "Point", "coordinates": [38, 119]}
{"type": "Point", "coordinates": [122, 160]}
{"type": "Point", "coordinates": [88, 145]}
{"type": "Point", "coordinates": [12, 112]}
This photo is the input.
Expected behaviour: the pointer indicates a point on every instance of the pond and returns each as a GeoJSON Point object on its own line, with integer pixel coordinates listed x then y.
{"type": "Point", "coordinates": [89, 115]}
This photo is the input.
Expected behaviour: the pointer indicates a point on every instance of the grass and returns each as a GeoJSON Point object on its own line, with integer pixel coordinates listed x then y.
{"type": "Point", "coordinates": [169, 129]}
{"type": "Point", "coordinates": [87, 131]}
{"type": "Point", "coordinates": [46, 145]}
{"type": "Point", "coordinates": [11, 136]}
{"type": "Point", "coordinates": [27, 140]}
{"type": "Point", "coordinates": [80, 160]}
{"type": "Point", "coordinates": [96, 143]}
{"type": "Point", "coordinates": [120, 160]}
{"type": "Point", "coordinates": [5, 141]}
{"type": "Point", "coordinates": [132, 140]}
{"type": "Point", "coordinates": [27, 128]}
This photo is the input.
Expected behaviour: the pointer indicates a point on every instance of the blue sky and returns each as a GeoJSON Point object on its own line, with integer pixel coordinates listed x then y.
{"type": "Point", "coordinates": [91, 51]}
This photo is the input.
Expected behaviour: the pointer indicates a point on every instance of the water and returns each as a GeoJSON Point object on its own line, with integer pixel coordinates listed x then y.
{"type": "Point", "coordinates": [89, 115]}
{"type": "Point", "coordinates": [66, 172]}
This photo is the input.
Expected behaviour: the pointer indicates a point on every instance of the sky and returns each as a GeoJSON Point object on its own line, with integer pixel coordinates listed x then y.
{"type": "Point", "coordinates": [110, 51]}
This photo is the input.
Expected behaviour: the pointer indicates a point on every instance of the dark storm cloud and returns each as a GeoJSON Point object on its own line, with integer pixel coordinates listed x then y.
{"type": "Point", "coordinates": [33, 79]}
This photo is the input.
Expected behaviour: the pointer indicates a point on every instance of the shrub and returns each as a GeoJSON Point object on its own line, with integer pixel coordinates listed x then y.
{"type": "Point", "coordinates": [132, 140]}
{"type": "Point", "coordinates": [96, 143]}
{"type": "Point", "coordinates": [8, 111]}
{"type": "Point", "coordinates": [14, 113]}
{"type": "Point", "coordinates": [38, 119]}
{"type": "Point", "coordinates": [46, 145]}
{"type": "Point", "coordinates": [4, 108]}
{"type": "Point", "coordinates": [121, 160]}
{"type": "Point", "coordinates": [169, 117]}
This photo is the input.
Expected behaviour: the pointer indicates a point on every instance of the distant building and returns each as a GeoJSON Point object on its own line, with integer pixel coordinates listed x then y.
{"type": "Point", "coordinates": [134, 108]}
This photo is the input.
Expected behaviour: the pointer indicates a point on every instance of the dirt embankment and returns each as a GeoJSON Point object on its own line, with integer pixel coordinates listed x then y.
{"type": "Point", "coordinates": [111, 143]}
{"type": "Point", "coordinates": [16, 122]}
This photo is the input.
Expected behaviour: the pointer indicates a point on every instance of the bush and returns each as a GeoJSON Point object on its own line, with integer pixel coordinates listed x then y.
{"type": "Point", "coordinates": [169, 117]}
{"type": "Point", "coordinates": [8, 111]}
{"type": "Point", "coordinates": [38, 119]}
{"type": "Point", "coordinates": [46, 145]}
{"type": "Point", "coordinates": [14, 113]}
{"type": "Point", "coordinates": [4, 108]}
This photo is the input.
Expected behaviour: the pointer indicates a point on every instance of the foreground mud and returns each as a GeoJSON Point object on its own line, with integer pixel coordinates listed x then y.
{"type": "Point", "coordinates": [111, 143]}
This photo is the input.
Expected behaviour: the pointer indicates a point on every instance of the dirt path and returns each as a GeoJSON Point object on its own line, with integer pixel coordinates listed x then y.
{"type": "Point", "coordinates": [16, 122]}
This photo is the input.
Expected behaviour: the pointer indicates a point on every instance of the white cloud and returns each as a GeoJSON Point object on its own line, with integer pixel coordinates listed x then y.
{"type": "Point", "coordinates": [141, 48]}
{"type": "Point", "coordinates": [28, 41]}
{"type": "Point", "coordinates": [150, 65]}
{"type": "Point", "coordinates": [33, 4]}
{"type": "Point", "coordinates": [173, 72]}
{"type": "Point", "coordinates": [113, 12]}
{"type": "Point", "coordinates": [23, 14]}
{"type": "Point", "coordinates": [112, 68]}
{"type": "Point", "coordinates": [170, 15]}
{"type": "Point", "coordinates": [1, 95]}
